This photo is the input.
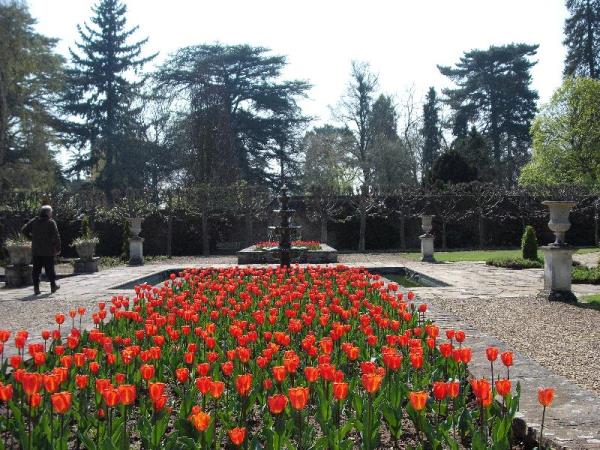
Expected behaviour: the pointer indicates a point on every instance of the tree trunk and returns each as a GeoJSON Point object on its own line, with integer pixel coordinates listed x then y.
{"type": "Point", "coordinates": [324, 230]}
{"type": "Point", "coordinates": [249, 230]}
{"type": "Point", "coordinates": [362, 232]}
{"type": "Point", "coordinates": [596, 229]}
{"type": "Point", "coordinates": [402, 232]}
{"type": "Point", "coordinates": [205, 238]}
{"type": "Point", "coordinates": [444, 244]}
{"type": "Point", "coordinates": [481, 227]}
{"type": "Point", "coordinates": [169, 236]}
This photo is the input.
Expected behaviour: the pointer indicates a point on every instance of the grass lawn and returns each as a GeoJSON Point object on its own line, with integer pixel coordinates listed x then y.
{"type": "Point", "coordinates": [593, 300]}
{"type": "Point", "coordinates": [483, 255]}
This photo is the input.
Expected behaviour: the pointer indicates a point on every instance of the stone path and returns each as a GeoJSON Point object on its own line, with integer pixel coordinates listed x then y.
{"type": "Point", "coordinates": [574, 420]}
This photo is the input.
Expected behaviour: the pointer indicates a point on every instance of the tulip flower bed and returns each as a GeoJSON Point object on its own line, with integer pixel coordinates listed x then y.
{"type": "Point", "coordinates": [324, 358]}
{"type": "Point", "coordinates": [309, 245]}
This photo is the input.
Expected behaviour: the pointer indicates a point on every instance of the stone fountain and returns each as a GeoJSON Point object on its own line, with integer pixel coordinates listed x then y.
{"type": "Point", "coordinates": [285, 252]}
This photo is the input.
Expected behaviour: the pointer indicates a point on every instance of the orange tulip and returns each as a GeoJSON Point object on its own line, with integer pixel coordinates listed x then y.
{"type": "Point", "coordinates": [491, 353]}
{"type": "Point", "coordinates": [81, 381]}
{"type": "Point", "coordinates": [182, 374]}
{"type": "Point", "coordinates": [35, 400]}
{"type": "Point", "coordinates": [111, 396]}
{"type": "Point", "coordinates": [147, 371]}
{"type": "Point", "coordinates": [440, 390]}
{"type": "Point", "coordinates": [545, 396]}
{"type": "Point", "coordinates": [216, 388]}
{"type": "Point", "coordinates": [371, 382]}
{"type": "Point", "coordinates": [51, 382]}
{"type": "Point", "coordinates": [507, 358]}
{"type": "Point", "coordinates": [418, 399]}
{"type": "Point", "coordinates": [126, 394]}
{"type": "Point", "coordinates": [6, 392]}
{"type": "Point", "coordinates": [298, 397]}
{"type": "Point", "coordinates": [61, 402]}
{"type": "Point", "coordinates": [156, 390]}
{"type": "Point", "coordinates": [203, 384]}
{"type": "Point", "coordinates": [31, 383]}
{"type": "Point", "coordinates": [200, 420]}
{"type": "Point", "coordinates": [503, 387]}
{"type": "Point", "coordinates": [279, 373]}
{"type": "Point", "coordinates": [277, 403]}
{"type": "Point", "coordinates": [453, 388]}
{"type": "Point", "coordinates": [237, 436]}
{"type": "Point", "coordinates": [243, 384]}
{"type": "Point", "coordinates": [340, 390]}
{"type": "Point", "coordinates": [311, 374]}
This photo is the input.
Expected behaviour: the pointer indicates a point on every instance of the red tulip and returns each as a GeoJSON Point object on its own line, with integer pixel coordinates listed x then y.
{"type": "Point", "coordinates": [237, 436]}
{"type": "Point", "coordinates": [298, 397]}
{"type": "Point", "coordinates": [418, 399]}
{"type": "Point", "coordinates": [503, 387]}
{"type": "Point", "coordinates": [440, 390]}
{"type": "Point", "coordinates": [61, 402]}
{"type": "Point", "coordinates": [545, 396]}
{"type": "Point", "coordinates": [340, 390]}
{"type": "Point", "coordinates": [200, 420]}
{"type": "Point", "coordinates": [491, 353]}
{"type": "Point", "coordinates": [277, 403]}
{"type": "Point", "coordinates": [243, 384]}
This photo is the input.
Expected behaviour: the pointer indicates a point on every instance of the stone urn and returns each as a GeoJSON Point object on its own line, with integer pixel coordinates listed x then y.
{"type": "Point", "coordinates": [86, 249]}
{"type": "Point", "coordinates": [19, 253]}
{"type": "Point", "coordinates": [135, 226]}
{"type": "Point", "coordinates": [427, 223]}
{"type": "Point", "coordinates": [559, 219]}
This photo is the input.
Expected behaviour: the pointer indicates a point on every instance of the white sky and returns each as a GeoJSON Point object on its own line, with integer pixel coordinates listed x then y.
{"type": "Point", "coordinates": [403, 40]}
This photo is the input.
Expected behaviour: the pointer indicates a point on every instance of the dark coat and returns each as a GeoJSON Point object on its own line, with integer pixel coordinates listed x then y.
{"type": "Point", "coordinates": [43, 232]}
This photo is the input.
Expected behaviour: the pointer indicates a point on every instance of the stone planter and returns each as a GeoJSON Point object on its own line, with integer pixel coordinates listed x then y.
{"type": "Point", "coordinates": [86, 263]}
{"type": "Point", "coordinates": [135, 226]}
{"type": "Point", "coordinates": [19, 254]}
{"type": "Point", "coordinates": [559, 222]}
{"type": "Point", "coordinates": [86, 250]}
{"type": "Point", "coordinates": [18, 272]}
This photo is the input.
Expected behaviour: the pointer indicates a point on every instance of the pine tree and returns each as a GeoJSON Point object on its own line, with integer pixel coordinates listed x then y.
{"type": "Point", "coordinates": [493, 92]}
{"type": "Point", "coordinates": [103, 97]}
{"type": "Point", "coordinates": [30, 80]}
{"type": "Point", "coordinates": [431, 131]}
{"type": "Point", "coordinates": [582, 38]}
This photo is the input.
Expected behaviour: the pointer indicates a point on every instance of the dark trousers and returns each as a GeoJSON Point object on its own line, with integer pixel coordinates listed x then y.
{"type": "Point", "coordinates": [47, 262]}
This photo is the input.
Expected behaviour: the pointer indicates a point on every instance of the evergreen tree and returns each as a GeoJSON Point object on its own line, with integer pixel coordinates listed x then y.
{"type": "Point", "coordinates": [493, 92]}
{"type": "Point", "coordinates": [30, 80]}
{"type": "Point", "coordinates": [236, 113]}
{"type": "Point", "coordinates": [451, 168]}
{"type": "Point", "coordinates": [431, 131]}
{"type": "Point", "coordinates": [103, 97]}
{"type": "Point", "coordinates": [582, 38]}
{"type": "Point", "coordinates": [392, 162]}
{"type": "Point", "coordinates": [476, 151]}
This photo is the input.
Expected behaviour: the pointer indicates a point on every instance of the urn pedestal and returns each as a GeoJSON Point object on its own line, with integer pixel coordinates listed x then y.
{"type": "Point", "coordinates": [136, 251]}
{"type": "Point", "coordinates": [558, 256]}
{"type": "Point", "coordinates": [87, 262]}
{"type": "Point", "coordinates": [18, 275]}
{"type": "Point", "coordinates": [427, 249]}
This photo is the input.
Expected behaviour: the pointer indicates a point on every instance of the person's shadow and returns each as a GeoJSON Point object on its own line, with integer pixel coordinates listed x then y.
{"type": "Point", "coordinates": [32, 297]}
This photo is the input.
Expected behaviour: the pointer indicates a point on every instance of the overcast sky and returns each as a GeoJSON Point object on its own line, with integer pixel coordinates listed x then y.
{"type": "Point", "coordinates": [402, 40]}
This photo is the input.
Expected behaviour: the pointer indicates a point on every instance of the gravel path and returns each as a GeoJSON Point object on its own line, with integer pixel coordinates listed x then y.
{"type": "Point", "coordinates": [561, 337]}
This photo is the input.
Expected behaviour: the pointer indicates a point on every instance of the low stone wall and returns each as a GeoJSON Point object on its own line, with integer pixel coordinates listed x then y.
{"type": "Point", "coordinates": [252, 255]}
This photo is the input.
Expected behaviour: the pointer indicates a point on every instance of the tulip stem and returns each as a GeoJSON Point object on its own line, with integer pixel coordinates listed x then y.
{"type": "Point", "coordinates": [542, 428]}
{"type": "Point", "coordinates": [30, 430]}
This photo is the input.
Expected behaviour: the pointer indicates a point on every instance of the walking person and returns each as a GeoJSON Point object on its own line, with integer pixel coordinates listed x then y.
{"type": "Point", "coordinates": [45, 245]}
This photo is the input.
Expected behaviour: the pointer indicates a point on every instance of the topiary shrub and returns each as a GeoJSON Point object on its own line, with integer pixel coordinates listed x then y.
{"type": "Point", "coordinates": [529, 245]}
{"type": "Point", "coordinates": [86, 230]}
{"type": "Point", "coordinates": [515, 263]}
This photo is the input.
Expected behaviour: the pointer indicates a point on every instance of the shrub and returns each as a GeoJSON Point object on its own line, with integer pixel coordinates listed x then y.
{"type": "Point", "coordinates": [126, 234]}
{"type": "Point", "coordinates": [586, 275]}
{"type": "Point", "coordinates": [515, 263]}
{"type": "Point", "coordinates": [529, 245]}
{"type": "Point", "coordinates": [86, 230]}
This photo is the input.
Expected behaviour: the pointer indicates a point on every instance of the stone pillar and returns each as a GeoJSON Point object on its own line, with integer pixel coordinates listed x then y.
{"type": "Point", "coordinates": [136, 243]}
{"type": "Point", "coordinates": [136, 251]}
{"type": "Point", "coordinates": [427, 250]}
{"type": "Point", "coordinates": [558, 256]}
